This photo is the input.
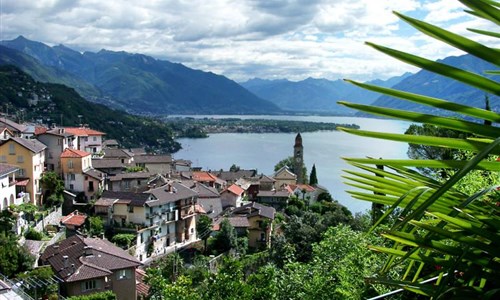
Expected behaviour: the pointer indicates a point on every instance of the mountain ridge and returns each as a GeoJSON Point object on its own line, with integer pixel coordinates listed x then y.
{"type": "Point", "coordinates": [143, 84]}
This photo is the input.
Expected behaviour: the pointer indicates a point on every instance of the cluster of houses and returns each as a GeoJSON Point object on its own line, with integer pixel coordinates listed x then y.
{"type": "Point", "coordinates": [154, 197]}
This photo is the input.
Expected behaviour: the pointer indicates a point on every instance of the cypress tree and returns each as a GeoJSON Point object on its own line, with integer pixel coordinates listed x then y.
{"type": "Point", "coordinates": [313, 179]}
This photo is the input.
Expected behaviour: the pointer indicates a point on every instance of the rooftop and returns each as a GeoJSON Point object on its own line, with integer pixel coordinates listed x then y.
{"type": "Point", "coordinates": [74, 153]}
{"type": "Point", "coordinates": [83, 131]}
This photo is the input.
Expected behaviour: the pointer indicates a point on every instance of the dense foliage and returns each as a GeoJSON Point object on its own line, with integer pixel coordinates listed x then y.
{"type": "Point", "coordinates": [64, 106]}
{"type": "Point", "coordinates": [445, 234]}
{"type": "Point", "coordinates": [108, 295]}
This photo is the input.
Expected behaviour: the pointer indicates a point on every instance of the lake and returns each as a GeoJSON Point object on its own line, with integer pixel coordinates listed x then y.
{"type": "Point", "coordinates": [324, 148]}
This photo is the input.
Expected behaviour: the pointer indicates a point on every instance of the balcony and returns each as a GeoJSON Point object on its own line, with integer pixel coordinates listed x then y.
{"type": "Point", "coordinates": [187, 212]}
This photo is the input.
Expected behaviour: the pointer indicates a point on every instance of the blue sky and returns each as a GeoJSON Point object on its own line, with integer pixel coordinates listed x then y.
{"type": "Point", "coordinates": [243, 39]}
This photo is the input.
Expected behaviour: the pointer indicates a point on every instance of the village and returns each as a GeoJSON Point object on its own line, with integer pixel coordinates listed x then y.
{"type": "Point", "coordinates": [154, 200]}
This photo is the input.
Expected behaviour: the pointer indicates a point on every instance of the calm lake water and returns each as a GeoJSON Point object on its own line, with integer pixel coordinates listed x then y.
{"type": "Point", "coordinates": [324, 148]}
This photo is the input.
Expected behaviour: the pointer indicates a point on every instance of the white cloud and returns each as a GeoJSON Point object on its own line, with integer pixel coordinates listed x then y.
{"type": "Point", "coordinates": [243, 39]}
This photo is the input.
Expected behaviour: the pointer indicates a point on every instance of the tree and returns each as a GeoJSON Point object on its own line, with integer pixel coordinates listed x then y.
{"type": "Point", "coordinates": [54, 189]}
{"type": "Point", "coordinates": [96, 226]}
{"type": "Point", "coordinates": [13, 257]}
{"type": "Point", "coordinates": [440, 231]}
{"type": "Point", "coordinates": [7, 222]}
{"type": "Point", "coordinates": [107, 295]}
{"type": "Point", "coordinates": [204, 229]}
{"type": "Point", "coordinates": [234, 168]}
{"type": "Point", "coordinates": [421, 151]}
{"type": "Point", "coordinates": [226, 239]}
{"type": "Point", "coordinates": [313, 179]}
{"type": "Point", "coordinates": [123, 240]}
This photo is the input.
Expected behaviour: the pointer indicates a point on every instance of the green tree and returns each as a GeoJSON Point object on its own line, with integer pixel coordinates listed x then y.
{"type": "Point", "coordinates": [439, 231]}
{"type": "Point", "coordinates": [204, 229]}
{"type": "Point", "coordinates": [226, 239]}
{"type": "Point", "coordinates": [313, 179]}
{"type": "Point", "coordinates": [7, 222]}
{"type": "Point", "coordinates": [96, 226]}
{"type": "Point", "coordinates": [13, 257]}
{"type": "Point", "coordinates": [44, 275]}
{"type": "Point", "coordinates": [123, 240]}
{"type": "Point", "coordinates": [234, 168]}
{"type": "Point", "coordinates": [54, 189]}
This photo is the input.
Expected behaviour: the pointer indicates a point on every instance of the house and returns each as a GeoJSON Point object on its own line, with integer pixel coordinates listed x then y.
{"type": "Point", "coordinates": [73, 222]}
{"type": "Point", "coordinates": [110, 144]}
{"type": "Point", "coordinates": [15, 128]}
{"type": "Point", "coordinates": [109, 166]}
{"type": "Point", "coordinates": [277, 199]}
{"type": "Point", "coordinates": [305, 192]}
{"type": "Point", "coordinates": [159, 164]}
{"type": "Point", "coordinates": [284, 177]}
{"type": "Point", "coordinates": [29, 156]}
{"type": "Point", "coordinates": [87, 139]}
{"type": "Point", "coordinates": [123, 155]}
{"type": "Point", "coordinates": [132, 181]}
{"type": "Point", "coordinates": [79, 175]}
{"type": "Point", "coordinates": [89, 265]}
{"type": "Point", "coordinates": [163, 218]}
{"type": "Point", "coordinates": [182, 165]}
{"type": "Point", "coordinates": [260, 218]}
{"type": "Point", "coordinates": [8, 195]}
{"type": "Point", "coordinates": [232, 196]}
{"type": "Point", "coordinates": [57, 140]}
{"type": "Point", "coordinates": [206, 178]}
{"type": "Point", "coordinates": [266, 183]}
{"type": "Point", "coordinates": [233, 176]}
{"type": "Point", "coordinates": [208, 197]}
{"type": "Point", "coordinates": [5, 134]}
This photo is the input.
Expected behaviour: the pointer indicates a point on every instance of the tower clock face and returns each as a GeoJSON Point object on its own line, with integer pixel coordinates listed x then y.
{"type": "Point", "coordinates": [298, 159]}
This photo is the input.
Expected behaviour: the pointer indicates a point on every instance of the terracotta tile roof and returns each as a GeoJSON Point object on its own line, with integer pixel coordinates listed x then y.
{"type": "Point", "coordinates": [78, 258]}
{"type": "Point", "coordinates": [40, 130]}
{"type": "Point", "coordinates": [31, 144]}
{"type": "Point", "coordinates": [83, 131]}
{"type": "Point", "coordinates": [301, 187]}
{"type": "Point", "coordinates": [74, 153]}
{"type": "Point", "coordinates": [75, 219]}
{"type": "Point", "coordinates": [7, 169]}
{"type": "Point", "coordinates": [141, 287]}
{"type": "Point", "coordinates": [238, 191]}
{"type": "Point", "coordinates": [202, 176]}
{"type": "Point", "coordinates": [23, 182]}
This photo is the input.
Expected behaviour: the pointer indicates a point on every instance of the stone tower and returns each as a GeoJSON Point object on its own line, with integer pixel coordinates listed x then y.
{"type": "Point", "coordinates": [298, 158]}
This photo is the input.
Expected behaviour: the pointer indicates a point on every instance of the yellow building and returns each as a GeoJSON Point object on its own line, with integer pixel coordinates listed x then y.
{"type": "Point", "coordinates": [29, 156]}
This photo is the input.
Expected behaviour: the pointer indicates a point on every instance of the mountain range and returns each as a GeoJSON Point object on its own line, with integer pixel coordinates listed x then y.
{"type": "Point", "coordinates": [315, 95]}
{"type": "Point", "coordinates": [135, 82]}
{"type": "Point", "coordinates": [141, 84]}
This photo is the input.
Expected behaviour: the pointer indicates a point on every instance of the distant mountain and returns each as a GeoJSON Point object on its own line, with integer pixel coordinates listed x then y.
{"type": "Point", "coordinates": [431, 84]}
{"type": "Point", "coordinates": [314, 95]}
{"type": "Point", "coordinates": [143, 84]}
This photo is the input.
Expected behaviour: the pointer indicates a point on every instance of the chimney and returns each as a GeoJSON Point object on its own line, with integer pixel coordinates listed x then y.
{"type": "Point", "coordinates": [65, 261]}
{"type": "Point", "coordinates": [88, 251]}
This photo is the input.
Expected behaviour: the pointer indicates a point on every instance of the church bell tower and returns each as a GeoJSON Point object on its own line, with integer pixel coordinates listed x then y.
{"type": "Point", "coordinates": [298, 158]}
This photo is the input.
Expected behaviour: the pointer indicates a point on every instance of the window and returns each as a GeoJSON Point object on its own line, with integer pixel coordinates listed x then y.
{"type": "Point", "coordinates": [94, 138]}
{"type": "Point", "coordinates": [124, 274]}
{"type": "Point", "coordinates": [130, 209]}
{"type": "Point", "coordinates": [71, 177]}
{"type": "Point", "coordinates": [126, 184]}
{"type": "Point", "coordinates": [3, 159]}
{"type": "Point", "coordinates": [71, 187]}
{"type": "Point", "coordinates": [89, 285]}
{"type": "Point", "coordinates": [12, 149]}
{"type": "Point", "coordinates": [59, 142]}
{"type": "Point", "coordinates": [85, 139]}
{"type": "Point", "coordinates": [20, 159]}
{"type": "Point", "coordinates": [20, 173]}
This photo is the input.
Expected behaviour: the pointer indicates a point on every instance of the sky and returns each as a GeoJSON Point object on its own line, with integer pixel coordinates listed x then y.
{"type": "Point", "coordinates": [245, 39]}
